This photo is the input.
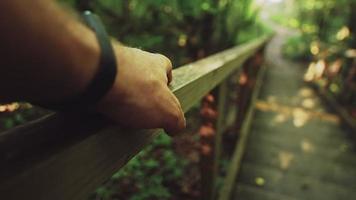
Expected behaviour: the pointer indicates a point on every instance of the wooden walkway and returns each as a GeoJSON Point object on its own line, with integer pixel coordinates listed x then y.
{"type": "Point", "coordinates": [296, 148]}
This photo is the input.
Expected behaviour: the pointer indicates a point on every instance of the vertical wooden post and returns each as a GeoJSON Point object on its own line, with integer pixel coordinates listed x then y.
{"type": "Point", "coordinates": [246, 84]}
{"type": "Point", "coordinates": [242, 96]}
{"type": "Point", "coordinates": [250, 84]}
{"type": "Point", "coordinates": [220, 126]}
{"type": "Point", "coordinates": [207, 133]}
{"type": "Point", "coordinates": [212, 114]}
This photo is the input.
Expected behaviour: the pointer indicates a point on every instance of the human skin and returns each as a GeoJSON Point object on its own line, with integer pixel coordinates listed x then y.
{"type": "Point", "coordinates": [47, 55]}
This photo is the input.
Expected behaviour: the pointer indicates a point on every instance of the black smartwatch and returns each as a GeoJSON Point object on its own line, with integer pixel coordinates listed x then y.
{"type": "Point", "coordinates": [104, 77]}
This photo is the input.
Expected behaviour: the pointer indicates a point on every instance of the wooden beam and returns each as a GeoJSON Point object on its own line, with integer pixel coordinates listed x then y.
{"type": "Point", "coordinates": [67, 156]}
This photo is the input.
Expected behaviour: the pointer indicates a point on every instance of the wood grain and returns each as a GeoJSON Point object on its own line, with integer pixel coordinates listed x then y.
{"type": "Point", "coordinates": [67, 156]}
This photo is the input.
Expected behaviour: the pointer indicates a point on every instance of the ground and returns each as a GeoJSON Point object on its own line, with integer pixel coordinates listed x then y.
{"type": "Point", "coordinates": [297, 148]}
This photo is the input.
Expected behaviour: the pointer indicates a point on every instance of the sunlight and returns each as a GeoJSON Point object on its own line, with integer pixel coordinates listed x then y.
{"type": "Point", "coordinates": [269, 1]}
{"type": "Point", "coordinates": [335, 67]}
{"type": "Point", "coordinates": [182, 40]}
{"type": "Point", "coordinates": [306, 146]}
{"type": "Point", "coordinates": [306, 92]}
{"type": "Point", "coordinates": [320, 68]}
{"type": "Point", "coordinates": [343, 33]}
{"type": "Point", "coordinates": [314, 48]}
{"type": "Point", "coordinates": [350, 53]}
{"type": "Point", "coordinates": [300, 117]}
{"type": "Point", "coordinates": [315, 70]}
{"type": "Point", "coordinates": [308, 103]}
{"type": "Point", "coordinates": [309, 75]}
{"type": "Point", "coordinates": [334, 87]}
{"type": "Point", "coordinates": [285, 159]}
{"type": "Point", "coordinates": [260, 181]}
{"type": "Point", "coordinates": [9, 107]}
{"type": "Point", "coordinates": [243, 79]}
{"type": "Point", "coordinates": [280, 118]}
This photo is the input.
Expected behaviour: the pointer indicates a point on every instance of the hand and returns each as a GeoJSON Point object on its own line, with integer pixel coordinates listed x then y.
{"type": "Point", "coordinates": [140, 97]}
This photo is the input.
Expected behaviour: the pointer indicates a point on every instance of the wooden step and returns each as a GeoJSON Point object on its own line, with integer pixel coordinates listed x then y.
{"type": "Point", "coordinates": [249, 192]}
{"type": "Point", "coordinates": [302, 164]}
{"type": "Point", "coordinates": [291, 184]}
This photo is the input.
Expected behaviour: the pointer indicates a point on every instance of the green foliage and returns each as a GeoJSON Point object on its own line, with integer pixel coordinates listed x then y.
{"type": "Point", "coordinates": [327, 16]}
{"type": "Point", "coordinates": [146, 175]}
{"type": "Point", "coordinates": [297, 47]}
{"type": "Point", "coordinates": [327, 30]}
{"type": "Point", "coordinates": [184, 30]}
{"type": "Point", "coordinates": [22, 113]}
{"type": "Point", "coordinates": [252, 32]}
{"type": "Point", "coordinates": [320, 21]}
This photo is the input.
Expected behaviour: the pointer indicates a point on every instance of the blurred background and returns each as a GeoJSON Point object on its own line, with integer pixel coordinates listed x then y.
{"type": "Point", "coordinates": [322, 39]}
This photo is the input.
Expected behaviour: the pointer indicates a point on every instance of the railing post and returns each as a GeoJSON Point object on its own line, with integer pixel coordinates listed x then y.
{"type": "Point", "coordinates": [212, 127]}
{"type": "Point", "coordinates": [247, 82]}
{"type": "Point", "coordinates": [242, 94]}
{"type": "Point", "coordinates": [66, 141]}
{"type": "Point", "coordinates": [220, 123]}
{"type": "Point", "coordinates": [207, 133]}
{"type": "Point", "coordinates": [248, 90]}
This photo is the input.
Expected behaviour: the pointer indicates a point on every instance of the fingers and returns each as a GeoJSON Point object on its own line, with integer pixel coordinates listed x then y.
{"type": "Point", "coordinates": [167, 64]}
{"type": "Point", "coordinates": [174, 122]}
{"type": "Point", "coordinates": [169, 76]}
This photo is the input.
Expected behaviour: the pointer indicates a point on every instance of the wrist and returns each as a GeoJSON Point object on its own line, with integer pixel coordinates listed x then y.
{"type": "Point", "coordinates": [103, 78]}
{"type": "Point", "coordinates": [85, 53]}
{"type": "Point", "coordinates": [117, 89]}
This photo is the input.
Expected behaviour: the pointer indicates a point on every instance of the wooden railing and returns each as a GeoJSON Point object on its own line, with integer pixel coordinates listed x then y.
{"type": "Point", "coordinates": [67, 156]}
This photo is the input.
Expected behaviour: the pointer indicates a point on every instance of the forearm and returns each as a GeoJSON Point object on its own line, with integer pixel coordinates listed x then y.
{"type": "Point", "coordinates": [46, 54]}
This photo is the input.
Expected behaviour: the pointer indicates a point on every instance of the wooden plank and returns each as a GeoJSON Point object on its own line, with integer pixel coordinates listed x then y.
{"type": "Point", "coordinates": [67, 156]}
{"type": "Point", "coordinates": [300, 186]}
{"type": "Point", "coordinates": [248, 192]}
{"type": "Point", "coordinates": [193, 81]}
{"type": "Point", "coordinates": [234, 166]}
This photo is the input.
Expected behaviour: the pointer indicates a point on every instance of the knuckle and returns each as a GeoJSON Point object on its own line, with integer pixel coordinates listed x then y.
{"type": "Point", "coordinates": [166, 60]}
{"type": "Point", "coordinates": [169, 63]}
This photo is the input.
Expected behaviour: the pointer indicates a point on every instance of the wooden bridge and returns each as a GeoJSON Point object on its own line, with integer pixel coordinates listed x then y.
{"type": "Point", "coordinates": [296, 148]}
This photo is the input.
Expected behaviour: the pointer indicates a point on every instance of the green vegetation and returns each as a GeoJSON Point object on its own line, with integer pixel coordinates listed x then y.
{"type": "Point", "coordinates": [184, 30]}
{"type": "Point", "coordinates": [14, 114]}
{"type": "Point", "coordinates": [187, 30]}
{"type": "Point", "coordinates": [327, 39]}
{"type": "Point", "coordinates": [325, 27]}
{"type": "Point", "coordinates": [146, 176]}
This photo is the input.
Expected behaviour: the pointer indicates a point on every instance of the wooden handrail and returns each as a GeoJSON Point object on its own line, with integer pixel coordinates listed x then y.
{"type": "Point", "coordinates": [235, 164]}
{"type": "Point", "coordinates": [66, 156]}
